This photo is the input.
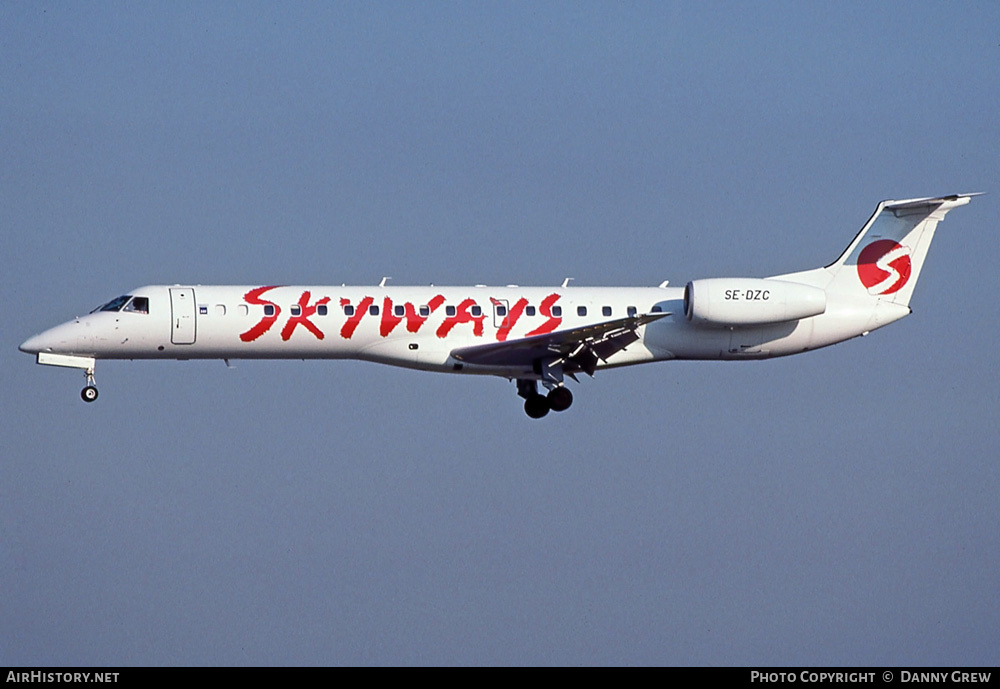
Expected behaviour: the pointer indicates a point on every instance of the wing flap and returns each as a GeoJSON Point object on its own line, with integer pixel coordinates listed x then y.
{"type": "Point", "coordinates": [583, 347]}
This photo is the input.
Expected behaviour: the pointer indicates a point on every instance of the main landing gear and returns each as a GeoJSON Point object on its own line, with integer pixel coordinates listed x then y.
{"type": "Point", "coordinates": [559, 398]}
{"type": "Point", "coordinates": [537, 405]}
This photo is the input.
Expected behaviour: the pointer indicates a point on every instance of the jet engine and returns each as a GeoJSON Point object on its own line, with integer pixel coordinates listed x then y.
{"type": "Point", "coordinates": [750, 301]}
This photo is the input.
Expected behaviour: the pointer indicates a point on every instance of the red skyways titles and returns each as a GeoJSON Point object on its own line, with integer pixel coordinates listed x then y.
{"type": "Point", "coordinates": [517, 310]}
{"type": "Point", "coordinates": [390, 315]}
{"type": "Point", "coordinates": [462, 315]}
{"type": "Point", "coordinates": [305, 310]}
{"type": "Point", "coordinates": [413, 319]}
{"type": "Point", "coordinates": [352, 323]}
{"type": "Point", "coordinates": [265, 323]}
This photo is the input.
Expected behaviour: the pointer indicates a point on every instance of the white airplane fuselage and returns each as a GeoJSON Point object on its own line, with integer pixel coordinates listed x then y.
{"type": "Point", "coordinates": [527, 334]}
{"type": "Point", "coordinates": [219, 322]}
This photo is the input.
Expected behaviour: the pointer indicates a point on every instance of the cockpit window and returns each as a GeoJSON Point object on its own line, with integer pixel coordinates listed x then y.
{"type": "Point", "coordinates": [114, 304]}
{"type": "Point", "coordinates": [123, 303]}
{"type": "Point", "coordinates": [138, 305]}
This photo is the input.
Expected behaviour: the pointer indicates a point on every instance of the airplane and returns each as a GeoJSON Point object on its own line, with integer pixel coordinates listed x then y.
{"type": "Point", "coordinates": [529, 335]}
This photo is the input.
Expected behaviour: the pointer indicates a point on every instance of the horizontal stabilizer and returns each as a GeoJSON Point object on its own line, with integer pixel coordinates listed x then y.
{"type": "Point", "coordinates": [930, 201]}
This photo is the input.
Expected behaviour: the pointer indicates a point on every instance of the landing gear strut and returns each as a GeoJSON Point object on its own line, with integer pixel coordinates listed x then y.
{"type": "Point", "coordinates": [89, 393]}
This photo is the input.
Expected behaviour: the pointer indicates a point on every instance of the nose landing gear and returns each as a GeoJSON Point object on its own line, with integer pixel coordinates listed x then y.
{"type": "Point", "coordinates": [89, 393]}
{"type": "Point", "coordinates": [87, 363]}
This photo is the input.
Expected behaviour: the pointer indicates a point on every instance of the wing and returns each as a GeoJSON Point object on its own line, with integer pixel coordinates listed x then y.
{"type": "Point", "coordinates": [580, 349]}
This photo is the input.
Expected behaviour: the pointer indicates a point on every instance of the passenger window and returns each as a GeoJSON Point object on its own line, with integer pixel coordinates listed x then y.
{"type": "Point", "coordinates": [606, 310]}
{"type": "Point", "coordinates": [477, 311]}
{"type": "Point", "coordinates": [581, 310]}
{"type": "Point", "coordinates": [243, 309]}
{"type": "Point", "coordinates": [321, 310]}
{"type": "Point", "coordinates": [399, 310]}
{"type": "Point", "coordinates": [203, 309]}
{"type": "Point", "coordinates": [373, 310]}
{"type": "Point", "coordinates": [449, 310]}
{"type": "Point", "coordinates": [556, 311]}
{"type": "Point", "coordinates": [631, 311]}
{"type": "Point", "coordinates": [296, 310]}
{"type": "Point", "coordinates": [425, 311]}
{"type": "Point", "coordinates": [501, 310]}
{"type": "Point", "coordinates": [529, 310]}
{"type": "Point", "coordinates": [657, 309]}
{"type": "Point", "coordinates": [269, 309]}
{"type": "Point", "coordinates": [348, 310]}
{"type": "Point", "coordinates": [220, 309]}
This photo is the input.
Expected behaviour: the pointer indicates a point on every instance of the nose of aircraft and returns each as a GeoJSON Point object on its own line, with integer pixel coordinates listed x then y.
{"type": "Point", "coordinates": [69, 338]}
{"type": "Point", "coordinates": [33, 345]}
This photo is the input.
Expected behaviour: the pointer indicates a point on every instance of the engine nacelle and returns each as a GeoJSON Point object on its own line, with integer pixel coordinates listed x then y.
{"type": "Point", "coordinates": [750, 301]}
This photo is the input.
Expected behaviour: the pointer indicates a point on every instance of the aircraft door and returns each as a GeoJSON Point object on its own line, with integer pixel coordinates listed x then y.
{"type": "Point", "coordinates": [182, 312]}
{"type": "Point", "coordinates": [500, 310]}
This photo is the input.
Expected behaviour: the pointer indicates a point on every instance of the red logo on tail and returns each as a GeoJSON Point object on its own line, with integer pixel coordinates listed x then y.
{"type": "Point", "coordinates": [884, 267]}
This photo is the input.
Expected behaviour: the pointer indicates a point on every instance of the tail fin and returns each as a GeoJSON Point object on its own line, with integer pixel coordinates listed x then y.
{"type": "Point", "coordinates": [885, 258]}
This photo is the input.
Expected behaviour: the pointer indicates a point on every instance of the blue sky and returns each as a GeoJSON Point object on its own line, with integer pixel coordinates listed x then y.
{"type": "Point", "coordinates": [837, 508]}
